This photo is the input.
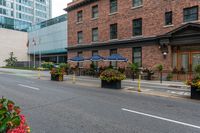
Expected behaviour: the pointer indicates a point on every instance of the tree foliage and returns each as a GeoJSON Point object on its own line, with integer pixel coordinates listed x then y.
{"type": "Point", "coordinates": [12, 60]}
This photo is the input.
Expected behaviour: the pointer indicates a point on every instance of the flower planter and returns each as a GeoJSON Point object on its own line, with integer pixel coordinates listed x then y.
{"type": "Point", "coordinates": [111, 84]}
{"type": "Point", "coordinates": [57, 77]}
{"type": "Point", "coordinates": [195, 93]}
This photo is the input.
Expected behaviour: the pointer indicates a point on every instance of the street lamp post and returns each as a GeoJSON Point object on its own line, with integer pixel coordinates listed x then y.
{"type": "Point", "coordinates": [40, 54]}
{"type": "Point", "coordinates": [34, 43]}
{"type": "Point", "coordinates": [29, 56]}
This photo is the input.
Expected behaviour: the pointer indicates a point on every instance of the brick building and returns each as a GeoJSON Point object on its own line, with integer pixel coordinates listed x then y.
{"type": "Point", "coordinates": [148, 32]}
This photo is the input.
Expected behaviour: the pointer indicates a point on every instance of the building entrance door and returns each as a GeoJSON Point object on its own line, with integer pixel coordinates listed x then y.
{"type": "Point", "coordinates": [195, 60]}
{"type": "Point", "coordinates": [189, 60]}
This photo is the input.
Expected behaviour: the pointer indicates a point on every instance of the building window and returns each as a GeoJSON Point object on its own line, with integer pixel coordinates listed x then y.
{"type": "Point", "coordinates": [80, 37]}
{"type": "Point", "coordinates": [113, 6]}
{"type": "Point", "coordinates": [137, 56]}
{"type": "Point", "coordinates": [137, 27]}
{"type": "Point", "coordinates": [113, 31]}
{"type": "Point", "coordinates": [113, 63]}
{"type": "Point", "coordinates": [190, 14]}
{"type": "Point", "coordinates": [79, 16]}
{"type": "Point", "coordinates": [95, 63]}
{"type": "Point", "coordinates": [80, 64]}
{"type": "Point", "coordinates": [95, 11]}
{"type": "Point", "coordinates": [168, 18]}
{"type": "Point", "coordinates": [95, 34]}
{"type": "Point", "coordinates": [137, 3]}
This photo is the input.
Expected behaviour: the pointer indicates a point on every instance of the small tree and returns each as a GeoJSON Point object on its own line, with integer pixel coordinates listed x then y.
{"type": "Point", "coordinates": [134, 68]}
{"type": "Point", "coordinates": [159, 67]}
{"type": "Point", "coordinates": [197, 70]}
{"type": "Point", "coordinates": [64, 66]}
{"type": "Point", "coordinates": [11, 61]}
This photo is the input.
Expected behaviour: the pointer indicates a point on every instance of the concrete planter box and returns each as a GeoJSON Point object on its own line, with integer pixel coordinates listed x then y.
{"type": "Point", "coordinates": [195, 93]}
{"type": "Point", "coordinates": [111, 84]}
{"type": "Point", "coordinates": [57, 77]}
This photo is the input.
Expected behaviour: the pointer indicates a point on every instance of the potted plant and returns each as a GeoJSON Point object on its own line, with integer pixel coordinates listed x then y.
{"type": "Point", "coordinates": [57, 74]}
{"type": "Point", "coordinates": [64, 66]}
{"type": "Point", "coordinates": [149, 73]}
{"type": "Point", "coordinates": [195, 84]}
{"type": "Point", "coordinates": [169, 76]}
{"type": "Point", "coordinates": [11, 119]}
{"type": "Point", "coordinates": [159, 68]}
{"type": "Point", "coordinates": [134, 68]}
{"type": "Point", "coordinates": [47, 65]}
{"type": "Point", "coordinates": [111, 78]}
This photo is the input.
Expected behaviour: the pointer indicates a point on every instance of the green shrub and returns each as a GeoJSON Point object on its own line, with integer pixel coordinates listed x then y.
{"type": "Point", "coordinates": [47, 65]}
{"type": "Point", "coordinates": [65, 66]}
{"type": "Point", "coordinates": [11, 61]}
{"type": "Point", "coordinates": [112, 75]}
{"type": "Point", "coordinates": [134, 67]}
{"type": "Point", "coordinates": [169, 77]}
{"type": "Point", "coordinates": [197, 70]}
{"type": "Point", "coordinates": [159, 67]}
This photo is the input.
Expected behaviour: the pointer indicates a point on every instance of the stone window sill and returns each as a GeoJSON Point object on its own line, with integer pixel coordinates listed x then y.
{"type": "Point", "coordinates": [112, 40]}
{"type": "Point", "coordinates": [78, 44]}
{"type": "Point", "coordinates": [137, 37]}
{"type": "Point", "coordinates": [114, 13]}
{"type": "Point", "coordinates": [94, 18]}
{"type": "Point", "coordinates": [167, 26]}
{"type": "Point", "coordinates": [136, 7]}
{"type": "Point", "coordinates": [94, 42]}
{"type": "Point", "coordinates": [79, 22]}
{"type": "Point", "coordinates": [195, 21]}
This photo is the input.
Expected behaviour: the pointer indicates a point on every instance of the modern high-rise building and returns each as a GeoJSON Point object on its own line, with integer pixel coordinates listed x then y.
{"type": "Point", "coordinates": [20, 14]}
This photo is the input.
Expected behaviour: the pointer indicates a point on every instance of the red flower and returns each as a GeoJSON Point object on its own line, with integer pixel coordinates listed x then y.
{"type": "Point", "coordinates": [10, 106]}
{"type": "Point", "coordinates": [17, 110]}
{"type": "Point", "coordinates": [22, 128]}
{"type": "Point", "coordinates": [1, 105]}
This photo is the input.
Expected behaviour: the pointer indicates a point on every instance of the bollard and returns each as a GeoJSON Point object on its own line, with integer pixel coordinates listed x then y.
{"type": "Point", "coordinates": [39, 73]}
{"type": "Point", "coordinates": [74, 78]}
{"type": "Point", "coordinates": [139, 84]}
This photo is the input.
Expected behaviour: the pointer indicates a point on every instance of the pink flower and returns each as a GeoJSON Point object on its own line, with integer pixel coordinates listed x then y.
{"type": "Point", "coordinates": [22, 128]}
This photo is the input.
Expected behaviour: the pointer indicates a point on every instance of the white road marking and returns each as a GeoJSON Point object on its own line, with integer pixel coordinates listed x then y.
{"type": "Point", "coordinates": [161, 118]}
{"type": "Point", "coordinates": [34, 88]}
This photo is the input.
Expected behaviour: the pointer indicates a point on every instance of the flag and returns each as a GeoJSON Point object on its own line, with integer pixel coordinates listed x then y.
{"type": "Point", "coordinates": [34, 43]}
{"type": "Point", "coordinates": [27, 44]}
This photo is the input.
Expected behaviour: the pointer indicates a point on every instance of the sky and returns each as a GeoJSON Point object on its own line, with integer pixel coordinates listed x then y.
{"type": "Point", "coordinates": [58, 6]}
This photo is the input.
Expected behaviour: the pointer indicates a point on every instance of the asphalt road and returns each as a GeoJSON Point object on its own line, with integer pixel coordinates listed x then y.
{"type": "Point", "coordinates": [53, 107]}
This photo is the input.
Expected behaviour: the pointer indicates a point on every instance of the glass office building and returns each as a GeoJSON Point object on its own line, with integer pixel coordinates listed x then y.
{"type": "Point", "coordinates": [21, 14]}
{"type": "Point", "coordinates": [48, 40]}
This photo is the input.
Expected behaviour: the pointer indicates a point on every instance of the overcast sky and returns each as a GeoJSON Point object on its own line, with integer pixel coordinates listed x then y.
{"type": "Point", "coordinates": [58, 6]}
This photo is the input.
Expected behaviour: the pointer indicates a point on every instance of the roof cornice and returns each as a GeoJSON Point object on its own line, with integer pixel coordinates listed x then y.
{"type": "Point", "coordinates": [80, 4]}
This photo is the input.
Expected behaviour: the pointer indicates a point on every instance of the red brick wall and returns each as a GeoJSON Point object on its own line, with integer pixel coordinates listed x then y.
{"type": "Point", "coordinates": [152, 14]}
{"type": "Point", "coordinates": [152, 55]}
{"type": "Point", "coordinates": [71, 55]}
{"type": "Point", "coordinates": [104, 53]}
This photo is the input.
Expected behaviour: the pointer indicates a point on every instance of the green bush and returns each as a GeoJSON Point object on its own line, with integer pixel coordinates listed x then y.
{"type": "Point", "coordinates": [159, 67]}
{"type": "Point", "coordinates": [112, 75]}
{"type": "Point", "coordinates": [47, 65]}
{"type": "Point", "coordinates": [197, 70]}
{"type": "Point", "coordinates": [169, 77]}
{"type": "Point", "coordinates": [134, 67]}
{"type": "Point", "coordinates": [11, 61]}
{"type": "Point", "coordinates": [64, 66]}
